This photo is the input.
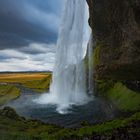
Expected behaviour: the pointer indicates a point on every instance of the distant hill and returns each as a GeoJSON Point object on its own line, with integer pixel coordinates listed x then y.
{"type": "Point", "coordinates": [25, 72]}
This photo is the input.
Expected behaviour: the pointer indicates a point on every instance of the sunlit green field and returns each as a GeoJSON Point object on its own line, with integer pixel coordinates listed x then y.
{"type": "Point", "coordinates": [22, 77]}
{"type": "Point", "coordinates": [8, 92]}
{"type": "Point", "coordinates": [38, 82]}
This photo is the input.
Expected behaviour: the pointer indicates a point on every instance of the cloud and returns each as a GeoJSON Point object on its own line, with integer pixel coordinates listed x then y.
{"type": "Point", "coordinates": [42, 58]}
{"type": "Point", "coordinates": [28, 34]}
{"type": "Point", "coordinates": [35, 48]}
{"type": "Point", "coordinates": [9, 54]}
{"type": "Point", "coordinates": [25, 65]}
{"type": "Point", "coordinates": [26, 21]}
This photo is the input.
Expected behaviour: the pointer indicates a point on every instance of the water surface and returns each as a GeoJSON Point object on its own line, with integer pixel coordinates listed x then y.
{"type": "Point", "coordinates": [93, 112]}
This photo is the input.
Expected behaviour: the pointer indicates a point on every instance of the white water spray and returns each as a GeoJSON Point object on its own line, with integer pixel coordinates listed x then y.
{"type": "Point", "coordinates": [90, 78]}
{"type": "Point", "coordinates": [68, 83]}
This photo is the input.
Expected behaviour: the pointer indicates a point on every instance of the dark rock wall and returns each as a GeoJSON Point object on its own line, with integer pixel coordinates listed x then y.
{"type": "Point", "coordinates": [116, 30]}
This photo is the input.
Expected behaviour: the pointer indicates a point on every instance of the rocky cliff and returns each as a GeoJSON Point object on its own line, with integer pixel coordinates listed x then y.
{"type": "Point", "coordinates": [116, 30]}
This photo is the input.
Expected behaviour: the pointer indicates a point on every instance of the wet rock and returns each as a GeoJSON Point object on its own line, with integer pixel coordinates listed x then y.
{"type": "Point", "coordinates": [116, 30]}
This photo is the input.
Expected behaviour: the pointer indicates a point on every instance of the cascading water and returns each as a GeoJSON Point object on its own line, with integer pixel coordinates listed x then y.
{"type": "Point", "coordinates": [68, 83]}
{"type": "Point", "coordinates": [90, 84]}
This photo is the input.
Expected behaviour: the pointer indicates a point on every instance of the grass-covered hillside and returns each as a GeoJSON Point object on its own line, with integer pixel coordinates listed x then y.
{"type": "Point", "coordinates": [9, 90]}
{"type": "Point", "coordinates": [35, 81]}
{"type": "Point", "coordinates": [124, 98]}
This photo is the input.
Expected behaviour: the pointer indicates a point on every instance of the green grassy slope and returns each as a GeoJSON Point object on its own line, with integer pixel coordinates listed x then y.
{"type": "Point", "coordinates": [124, 98]}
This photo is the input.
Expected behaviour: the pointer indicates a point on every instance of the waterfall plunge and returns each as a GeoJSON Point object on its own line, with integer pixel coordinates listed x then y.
{"type": "Point", "coordinates": [68, 83]}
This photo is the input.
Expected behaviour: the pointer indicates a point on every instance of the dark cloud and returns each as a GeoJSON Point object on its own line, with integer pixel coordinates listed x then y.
{"type": "Point", "coordinates": [10, 40]}
{"type": "Point", "coordinates": [28, 33]}
{"type": "Point", "coordinates": [25, 21]}
{"type": "Point", "coordinates": [38, 49]}
{"type": "Point", "coordinates": [13, 60]}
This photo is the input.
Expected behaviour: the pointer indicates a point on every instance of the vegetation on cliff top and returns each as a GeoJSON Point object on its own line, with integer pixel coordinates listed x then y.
{"type": "Point", "coordinates": [38, 85]}
{"type": "Point", "coordinates": [9, 90]}
{"type": "Point", "coordinates": [37, 81]}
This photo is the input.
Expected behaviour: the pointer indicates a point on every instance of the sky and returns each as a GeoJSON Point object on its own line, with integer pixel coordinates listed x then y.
{"type": "Point", "coordinates": [28, 34]}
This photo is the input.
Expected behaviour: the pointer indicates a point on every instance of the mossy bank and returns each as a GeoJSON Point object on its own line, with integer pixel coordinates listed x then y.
{"type": "Point", "coordinates": [14, 127]}
{"type": "Point", "coordinates": [119, 94]}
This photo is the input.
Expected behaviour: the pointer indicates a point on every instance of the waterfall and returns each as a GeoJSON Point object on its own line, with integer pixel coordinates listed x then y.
{"type": "Point", "coordinates": [90, 72]}
{"type": "Point", "coordinates": [69, 80]}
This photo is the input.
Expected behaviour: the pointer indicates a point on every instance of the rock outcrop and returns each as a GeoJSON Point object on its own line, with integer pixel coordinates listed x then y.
{"type": "Point", "coordinates": [116, 30]}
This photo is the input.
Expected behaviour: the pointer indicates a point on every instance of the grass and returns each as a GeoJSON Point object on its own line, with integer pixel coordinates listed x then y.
{"type": "Point", "coordinates": [39, 85]}
{"type": "Point", "coordinates": [103, 86]}
{"type": "Point", "coordinates": [8, 92]}
{"type": "Point", "coordinates": [108, 127]}
{"type": "Point", "coordinates": [124, 98]}
{"type": "Point", "coordinates": [36, 81]}
{"type": "Point", "coordinates": [21, 77]}
{"type": "Point", "coordinates": [19, 128]}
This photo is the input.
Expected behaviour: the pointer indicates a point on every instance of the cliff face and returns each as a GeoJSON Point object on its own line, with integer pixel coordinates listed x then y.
{"type": "Point", "coordinates": [116, 30]}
